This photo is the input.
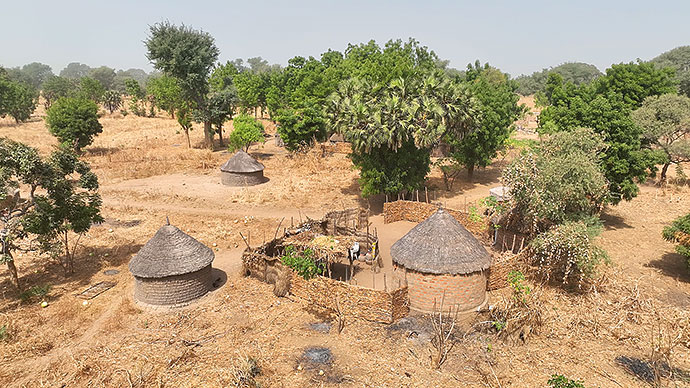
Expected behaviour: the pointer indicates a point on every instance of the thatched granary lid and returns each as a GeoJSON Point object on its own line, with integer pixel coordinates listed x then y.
{"type": "Point", "coordinates": [336, 138]}
{"type": "Point", "coordinates": [242, 162]}
{"type": "Point", "coordinates": [440, 245]}
{"type": "Point", "coordinates": [170, 252]}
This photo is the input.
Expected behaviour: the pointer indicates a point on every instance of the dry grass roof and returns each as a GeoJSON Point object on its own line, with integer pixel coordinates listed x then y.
{"type": "Point", "coordinates": [242, 162]}
{"type": "Point", "coordinates": [170, 252]}
{"type": "Point", "coordinates": [440, 245]}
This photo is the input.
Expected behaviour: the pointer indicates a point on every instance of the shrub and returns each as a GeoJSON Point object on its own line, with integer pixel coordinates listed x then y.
{"type": "Point", "coordinates": [559, 181]}
{"type": "Point", "coordinates": [566, 252]}
{"type": "Point", "coordinates": [35, 291]}
{"type": "Point", "coordinates": [112, 100]}
{"type": "Point", "coordinates": [302, 262]}
{"type": "Point", "coordinates": [560, 381]}
{"type": "Point", "coordinates": [679, 232]}
{"type": "Point", "coordinates": [247, 131]}
{"type": "Point", "coordinates": [74, 121]}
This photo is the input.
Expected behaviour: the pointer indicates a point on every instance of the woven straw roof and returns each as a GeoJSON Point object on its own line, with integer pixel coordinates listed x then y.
{"type": "Point", "coordinates": [440, 245]}
{"type": "Point", "coordinates": [242, 162]}
{"type": "Point", "coordinates": [170, 252]}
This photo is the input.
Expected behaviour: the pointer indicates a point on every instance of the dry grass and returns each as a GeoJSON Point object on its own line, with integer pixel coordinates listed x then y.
{"type": "Point", "coordinates": [113, 342]}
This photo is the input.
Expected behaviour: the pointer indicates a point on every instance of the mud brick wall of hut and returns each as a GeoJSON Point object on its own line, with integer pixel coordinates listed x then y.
{"type": "Point", "coordinates": [419, 211]}
{"type": "Point", "coordinates": [355, 301]}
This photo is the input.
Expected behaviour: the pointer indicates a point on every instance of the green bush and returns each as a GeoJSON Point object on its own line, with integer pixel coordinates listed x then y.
{"type": "Point", "coordinates": [247, 131]}
{"type": "Point", "coordinates": [566, 253]}
{"type": "Point", "coordinates": [673, 233]}
{"type": "Point", "coordinates": [35, 291]}
{"type": "Point", "coordinates": [302, 262]}
{"type": "Point", "coordinates": [560, 381]}
{"type": "Point", "coordinates": [4, 334]}
{"type": "Point", "coordinates": [74, 121]}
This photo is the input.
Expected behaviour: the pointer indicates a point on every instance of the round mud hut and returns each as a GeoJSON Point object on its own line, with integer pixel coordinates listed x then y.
{"type": "Point", "coordinates": [242, 170]}
{"type": "Point", "coordinates": [171, 269]}
{"type": "Point", "coordinates": [441, 259]}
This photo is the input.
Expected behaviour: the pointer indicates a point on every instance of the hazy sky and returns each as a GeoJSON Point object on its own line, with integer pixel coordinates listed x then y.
{"type": "Point", "coordinates": [517, 36]}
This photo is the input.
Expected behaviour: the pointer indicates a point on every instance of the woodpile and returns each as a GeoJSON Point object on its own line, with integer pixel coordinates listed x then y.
{"type": "Point", "coordinates": [419, 211]}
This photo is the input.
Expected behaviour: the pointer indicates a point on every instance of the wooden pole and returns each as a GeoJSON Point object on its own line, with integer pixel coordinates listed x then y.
{"type": "Point", "coordinates": [417, 195]}
{"type": "Point", "coordinates": [512, 249]}
{"type": "Point", "coordinates": [426, 194]}
{"type": "Point", "coordinates": [385, 283]}
{"type": "Point", "coordinates": [373, 280]}
{"type": "Point", "coordinates": [292, 222]}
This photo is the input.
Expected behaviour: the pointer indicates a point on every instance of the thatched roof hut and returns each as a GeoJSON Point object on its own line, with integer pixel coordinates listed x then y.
{"type": "Point", "coordinates": [337, 138]}
{"type": "Point", "coordinates": [172, 268]}
{"type": "Point", "coordinates": [440, 245]}
{"type": "Point", "coordinates": [442, 259]}
{"type": "Point", "coordinates": [242, 170]}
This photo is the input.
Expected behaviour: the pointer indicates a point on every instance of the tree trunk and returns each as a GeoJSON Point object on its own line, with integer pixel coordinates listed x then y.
{"type": "Point", "coordinates": [14, 277]}
{"type": "Point", "coordinates": [208, 135]}
{"type": "Point", "coordinates": [664, 170]}
{"type": "Point", "coordinates": [186, 133]}
{"type": "Point", "coordinates": [220, 135]}
{"type": "Point", "coordinates": [470, 172]}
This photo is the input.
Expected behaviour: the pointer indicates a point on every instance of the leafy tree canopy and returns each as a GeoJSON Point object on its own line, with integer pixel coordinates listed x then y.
{"type": "Point", "coordinates": [605, 106]}
{"type": "Point", "coordinates": [74, 121]}
{"type": "Point", "coordinates": [677, 59]}
{"type": "Point", "coordinates": [665, 123]}
{"type": "Point", "coordinates": [561, 180]}
{"type": "Point", "coordinates": [105, 75]}
{"type": "Point", "coordinates": [576, 72]}
{"type": "Point", "coordinates": [57, 87]}
{"type": "Point", "coordinates": [498, 110]}
{"type": "Point", "coordinates": [75, 70]}
{"type": "Point", "coordinates": [247, 130]}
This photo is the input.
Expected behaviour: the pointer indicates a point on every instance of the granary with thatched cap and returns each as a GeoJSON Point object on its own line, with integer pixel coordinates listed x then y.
{"type": "Point", "coordinates": [171, 269]}
{"type": "Point", "coordinates": [242, 170]}
{"type": "Point", "coordinates": [439, 258]}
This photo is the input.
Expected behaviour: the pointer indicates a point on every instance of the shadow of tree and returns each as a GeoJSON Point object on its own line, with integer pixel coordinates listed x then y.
{"type": "Point", "coordinates": [647, 372]}
{"type": "Point", "coordinates": [672, 264]}
{"type": "Point", "coordinates": [613, 222]}
{"type": "Point", "coordinates": [43, 271]}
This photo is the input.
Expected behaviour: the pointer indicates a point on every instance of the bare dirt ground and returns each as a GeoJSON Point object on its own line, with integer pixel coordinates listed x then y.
{"type": "Point", "coordinates": [147, 173]}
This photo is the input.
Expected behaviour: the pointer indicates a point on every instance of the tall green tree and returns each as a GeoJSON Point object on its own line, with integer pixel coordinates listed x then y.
{"type": "Point", "coordinates": [577, 73]}
{"type": "Point", "coordinates": [57, 87]}
{"type": "Point", "coordinates": [91, 89]}
{"type": "Point", "coordinates": [105, 75]}
{"type": "Point", "coordinates": [665, 123]}
{"type": "Point", "coordinates": [74, 121]}
{"type": "Point", "coordinates": [187, 55]}
{"type": "Point", "coordinates": [75, 70]}
{"type": "Point", "coordinates": [37, 73]}
{"type": "Point", "coordinates": [498, 110]}
{"type": "Point", "coordinates": [605, 105]}
{"type": "Point", "coordinates": [393, 127]}
{"type": "Point", "coordinates": [166, 92]}
{"type": "Point", "coordinates": [62, 201]}
{"type": "Point", "coordinates": [17, 99]}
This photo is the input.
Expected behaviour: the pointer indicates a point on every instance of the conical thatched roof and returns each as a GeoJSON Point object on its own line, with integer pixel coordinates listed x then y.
{"type": "Point", "coordinates": [336, 138]}
{"type": "Point", "coordinates": [242, 162]}
{"type": "Point", "coordinates": [440, 245]}
{"type": "Point", "coordinates": [170, 252]}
